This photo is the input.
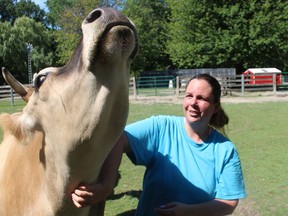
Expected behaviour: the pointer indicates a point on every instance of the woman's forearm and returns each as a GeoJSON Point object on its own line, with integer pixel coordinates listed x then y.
{"type": "Point", "coordinates": [211, 208]}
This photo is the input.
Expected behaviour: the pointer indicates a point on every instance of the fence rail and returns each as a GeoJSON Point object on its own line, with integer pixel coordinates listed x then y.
{"type": "Point", "coordinates": [8, 92]}
{"type": "Point", "coordinates": [175, 86]}
{"type": "Point", "coordinates": [169, 85]}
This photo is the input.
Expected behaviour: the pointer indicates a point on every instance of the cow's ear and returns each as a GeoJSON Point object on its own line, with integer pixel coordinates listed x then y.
{"type": "Point", "coordinates": [24, 91]}
{"type": "Point", "coordinates": [11, 125]}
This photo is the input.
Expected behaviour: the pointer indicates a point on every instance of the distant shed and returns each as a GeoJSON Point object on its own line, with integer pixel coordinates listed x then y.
{"type": "Point", "coordinates": [263, 75]}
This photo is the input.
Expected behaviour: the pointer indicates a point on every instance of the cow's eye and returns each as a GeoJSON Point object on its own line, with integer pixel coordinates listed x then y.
{"type": "Point", "coordinates": [40, 80]}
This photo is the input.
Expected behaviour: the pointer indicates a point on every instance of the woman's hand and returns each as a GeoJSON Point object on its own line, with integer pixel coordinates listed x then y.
{"type": "Point", "coordinates": [89, 194]}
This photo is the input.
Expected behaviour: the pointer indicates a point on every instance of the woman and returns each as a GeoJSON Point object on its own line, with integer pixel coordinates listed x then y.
{"type": "Point", "coordinates": [191, 168]}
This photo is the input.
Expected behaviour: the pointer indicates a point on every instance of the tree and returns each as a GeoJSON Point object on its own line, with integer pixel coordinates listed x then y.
{"type": "Point", "coordinates": [12, 9]}
{"type": "Point", "coordinates": [207, 34]}
{"type": "Point", "coordinates": [228, 33]}
{"type": "Point", "coordinates": [268, 34]}
{"type": "Point", "coordinates": [13, 39]}
{"type": "Point", "coordinates": [30, 9]}
{"type": "Point", "coordinates": [150, 18]}
{"type": "Point", "coordinates": [66, 17]}
{"type": "Point", "coordinates": [7, 10]}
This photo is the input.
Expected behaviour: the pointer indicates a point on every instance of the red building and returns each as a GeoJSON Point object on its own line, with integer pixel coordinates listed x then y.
{"type": "Point", "coordinates": [262, 75]}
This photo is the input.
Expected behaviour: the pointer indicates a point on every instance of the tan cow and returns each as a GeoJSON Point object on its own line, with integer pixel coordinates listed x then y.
{"type": "Point", "coordinates": [70, 123]}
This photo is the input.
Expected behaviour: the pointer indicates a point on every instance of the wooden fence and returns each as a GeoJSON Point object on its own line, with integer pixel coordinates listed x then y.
{"type": "Point", "coordinates": [229, 84]}
{"type": "Point", "coordinates": [6, 92]}
{"type": "Point", "coordinates": [240, 83]}
{"type": "Point", "coordinates": [175, 86]}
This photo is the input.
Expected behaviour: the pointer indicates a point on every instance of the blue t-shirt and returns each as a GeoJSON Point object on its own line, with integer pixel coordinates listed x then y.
{"type": "Point", "coordinates": [180, 170]}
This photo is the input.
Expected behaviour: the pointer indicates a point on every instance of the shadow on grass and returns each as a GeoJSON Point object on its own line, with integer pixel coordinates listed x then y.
{"type": "Point", "coordinates": [128, 213]}
{"type": "Point", "coordinates": [132, 193]}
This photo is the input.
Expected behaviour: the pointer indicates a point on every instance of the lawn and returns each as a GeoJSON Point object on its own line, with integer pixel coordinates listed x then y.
{"type": "Point", "coordinates": [259, 131]}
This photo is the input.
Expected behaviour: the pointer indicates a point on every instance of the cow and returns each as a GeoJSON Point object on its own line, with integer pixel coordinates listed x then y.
{"type": "Point", "coordinates": [72, 119]}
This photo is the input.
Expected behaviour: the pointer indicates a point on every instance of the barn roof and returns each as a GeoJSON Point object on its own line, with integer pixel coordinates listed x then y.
{"type": "Point", "coordinates": [262, 70]}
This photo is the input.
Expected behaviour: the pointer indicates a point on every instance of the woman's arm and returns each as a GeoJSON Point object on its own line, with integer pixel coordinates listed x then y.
{"type": "Point", "coordinates": [89, 194]}
{"type": "Point", "coordinates": [214, 207]}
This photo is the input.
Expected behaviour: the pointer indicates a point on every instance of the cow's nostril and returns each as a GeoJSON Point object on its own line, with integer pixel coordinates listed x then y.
{"type": "Point", "coordinates": [93, 15]}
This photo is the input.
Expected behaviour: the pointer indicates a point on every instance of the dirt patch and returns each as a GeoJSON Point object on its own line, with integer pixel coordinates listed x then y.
{"type": "Point", "coordinates": [246, 207]}
{"type": "Point", "coordinates": [263, 97]}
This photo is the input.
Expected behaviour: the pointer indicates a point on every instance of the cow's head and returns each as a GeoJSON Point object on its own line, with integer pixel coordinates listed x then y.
{"type": "Point", "coordinates": [87, 99]}
{"type": "Point", "coordinates": [92, 87]}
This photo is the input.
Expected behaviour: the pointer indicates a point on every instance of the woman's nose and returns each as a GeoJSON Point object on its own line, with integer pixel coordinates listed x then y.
{"type": "Point", "coordinates": [193, 101]}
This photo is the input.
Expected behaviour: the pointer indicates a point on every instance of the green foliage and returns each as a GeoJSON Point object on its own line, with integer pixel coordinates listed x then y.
{"type": "Point", "coordinates": [150, 18]}
{"type": "Point", "coordinates": [206, 34]}
{"type": "Point", "coordinates": [228, 34]}
{"type": "Point", "coordinates": [7, 10]}
{"type": "Point", "coordinates": [66, 17]}
{"type": "Point", "coordinates": [13, 9]}
{"type": "Point", "coordinates": [30, 9]}
{"type": "Point", "coordinates": [269, 34]}
{"type": "Point", "coordinates": [13, 39]}
{"type": "Point", "coordinates": [24, 22]}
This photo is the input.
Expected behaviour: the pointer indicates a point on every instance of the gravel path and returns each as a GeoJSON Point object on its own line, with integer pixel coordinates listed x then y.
{"type": "Point", "coordinates": [260, 97]}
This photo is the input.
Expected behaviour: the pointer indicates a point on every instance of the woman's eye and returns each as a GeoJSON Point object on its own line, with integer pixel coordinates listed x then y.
{"type": "Point", "coordinates": [202, 99]}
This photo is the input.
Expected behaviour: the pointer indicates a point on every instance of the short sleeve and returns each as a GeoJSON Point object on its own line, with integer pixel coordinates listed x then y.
{"type": "Point", "coordinates": [231, 182]}
{"type": "Point", "coordinates": [142, 137]}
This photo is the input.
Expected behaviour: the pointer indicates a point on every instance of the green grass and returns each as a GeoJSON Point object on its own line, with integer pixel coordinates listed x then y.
{"type": "Point", "coordinates": [260, 134]}
{"type": "Point", "coordinates": [7, 107]}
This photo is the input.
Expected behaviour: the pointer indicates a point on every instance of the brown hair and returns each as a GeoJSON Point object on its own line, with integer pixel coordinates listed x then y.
{"type": "Point", "coordinates": [220, 118]}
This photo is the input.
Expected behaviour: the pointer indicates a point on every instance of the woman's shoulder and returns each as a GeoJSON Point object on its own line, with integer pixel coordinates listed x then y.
{"type": "Point", "coordinates": [224, 149]}
{"type": "Point", "coordinates": [219, 139]}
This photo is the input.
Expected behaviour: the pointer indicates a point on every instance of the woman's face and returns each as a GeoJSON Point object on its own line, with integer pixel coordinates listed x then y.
{"type": "Point", "coordinates": [199, 103]}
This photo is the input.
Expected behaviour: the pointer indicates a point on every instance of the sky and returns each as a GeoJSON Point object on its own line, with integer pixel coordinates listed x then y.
{"type": "Point", "coordinates": [41, 3]}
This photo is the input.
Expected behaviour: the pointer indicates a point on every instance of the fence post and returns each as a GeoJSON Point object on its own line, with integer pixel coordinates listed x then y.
{"type": "Point", "coordinates": [134, 87]}
{"type": "Point", "coordinates": [12, 97]}
{"type": "Point", "coordinates": [177, 86]}
{"type": "Point", "coordinates": [155, 86]}
{"type": "Point", "coordinates": [242, 84]}
{"type": "Point", "coordinates": [274, 84]}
